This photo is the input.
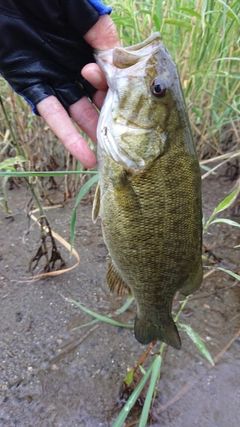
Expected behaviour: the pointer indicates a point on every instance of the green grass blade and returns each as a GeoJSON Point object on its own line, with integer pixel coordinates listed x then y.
{"type": "Point", "coordinates": [10, 163]}
{"type": "Point", "coordinates": [117, 312]}
{"type": "Point", "coordinates": [226, 221]}
{"type": "Point", "coordinates": [85, 188]}
{"type": "Point", "coordinates": [226, 103]}
{"type": "Point", "coordinates": [125, 306]}
{"type": "Point", "coordinates": [230, 10]}
{"type": "Point", "coordinates": [44, 174]}
{"type": "Point", "coordinates": [208, 169]}
{"type": "Point", "coordinates": [132, 399]}
{"type": "Point", "coordinates": [191, 12]}
{"type": "Point", "coordinates": [178, 23]}
{"type": "Point", "coordinates": [197, 341]}
{"type": "Point", "coordinates": [227, 202]}
{"type": "Point", "coordinates": [231, 273]}
{"type": "Point", "coordinates": [153, 381]}
{"type": "Point", "coordinates": [224, 204]}
{"type": "Point", "coordinates": [86, 324]}
{"type": "Point", "coordinates": [72, 226]}
{"type": "Point", "coordinates": [97, 316]}
{"type": "Point", "coordinates": [129, 377]}
{"type": "Point", "coordinates": [228, 58]}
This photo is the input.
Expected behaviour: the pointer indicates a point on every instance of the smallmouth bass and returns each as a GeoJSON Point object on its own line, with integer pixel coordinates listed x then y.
{"type": "Point", "coordinates": [149, 192]}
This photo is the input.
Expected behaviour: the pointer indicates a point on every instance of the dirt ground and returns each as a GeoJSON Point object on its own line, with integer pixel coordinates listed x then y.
{"type": "Point", "coordinates": [54, 376]}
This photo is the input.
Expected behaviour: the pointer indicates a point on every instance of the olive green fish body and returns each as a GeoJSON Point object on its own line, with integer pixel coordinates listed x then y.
{"type": "Point", "coordinates": [149, 195]}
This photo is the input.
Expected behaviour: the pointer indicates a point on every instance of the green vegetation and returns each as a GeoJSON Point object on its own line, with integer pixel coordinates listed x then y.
{"type": "Point", "coordinates": [202, 37]}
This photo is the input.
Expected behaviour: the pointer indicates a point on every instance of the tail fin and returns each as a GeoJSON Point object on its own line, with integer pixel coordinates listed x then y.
{"type": "Point", "coordinates": [146, 332]}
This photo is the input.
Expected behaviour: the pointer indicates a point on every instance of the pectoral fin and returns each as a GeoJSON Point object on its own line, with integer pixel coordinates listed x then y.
{"type": "Point", "coordinates": [114, 280]}
{"type": "Point", "coordinates": [96, 204]}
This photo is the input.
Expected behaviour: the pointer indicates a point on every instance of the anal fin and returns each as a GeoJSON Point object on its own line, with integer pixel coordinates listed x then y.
{"type": "Point", "coordinates": [114, 280]}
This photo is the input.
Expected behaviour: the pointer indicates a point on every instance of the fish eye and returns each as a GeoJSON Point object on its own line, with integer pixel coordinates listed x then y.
{"type": "Point", "coordinates": [158, 87]}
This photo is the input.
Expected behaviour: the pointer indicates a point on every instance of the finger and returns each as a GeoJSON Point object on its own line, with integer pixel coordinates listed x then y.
{"type": "Point", "coordinates": [86, 116]}
{"type": "Point", "coordinates": [59, 121]}
{"type": "Point", "coordinates": [98, 98]}
{"type": "Point", "coordinates": [94, 75]}
{"type": "Point", "coordinates": [103, 35]}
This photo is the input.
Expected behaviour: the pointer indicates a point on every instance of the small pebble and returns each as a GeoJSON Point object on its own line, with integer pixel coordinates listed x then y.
{"type": "Point", "coordinates": [54, 367]}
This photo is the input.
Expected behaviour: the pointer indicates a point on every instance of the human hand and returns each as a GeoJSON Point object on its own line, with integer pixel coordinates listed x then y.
{"type": "Point", "coordinates": [102, 35]}
{"type": "Point", "coordinates": [43, 50]}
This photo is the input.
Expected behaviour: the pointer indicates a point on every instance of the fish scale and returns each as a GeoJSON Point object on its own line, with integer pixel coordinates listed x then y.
{"type": "Point", "coordinates": [149, 193]}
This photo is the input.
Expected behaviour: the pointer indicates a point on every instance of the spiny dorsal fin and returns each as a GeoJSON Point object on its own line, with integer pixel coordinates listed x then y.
{"type": "Point", "coordinates": [114, 280]}
{"type": "Point", "coordinates": [96, 204]}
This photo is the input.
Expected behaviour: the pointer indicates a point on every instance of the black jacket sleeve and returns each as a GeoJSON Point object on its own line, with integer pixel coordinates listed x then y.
{"type": "Point", "coordinates": [42, 50]}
